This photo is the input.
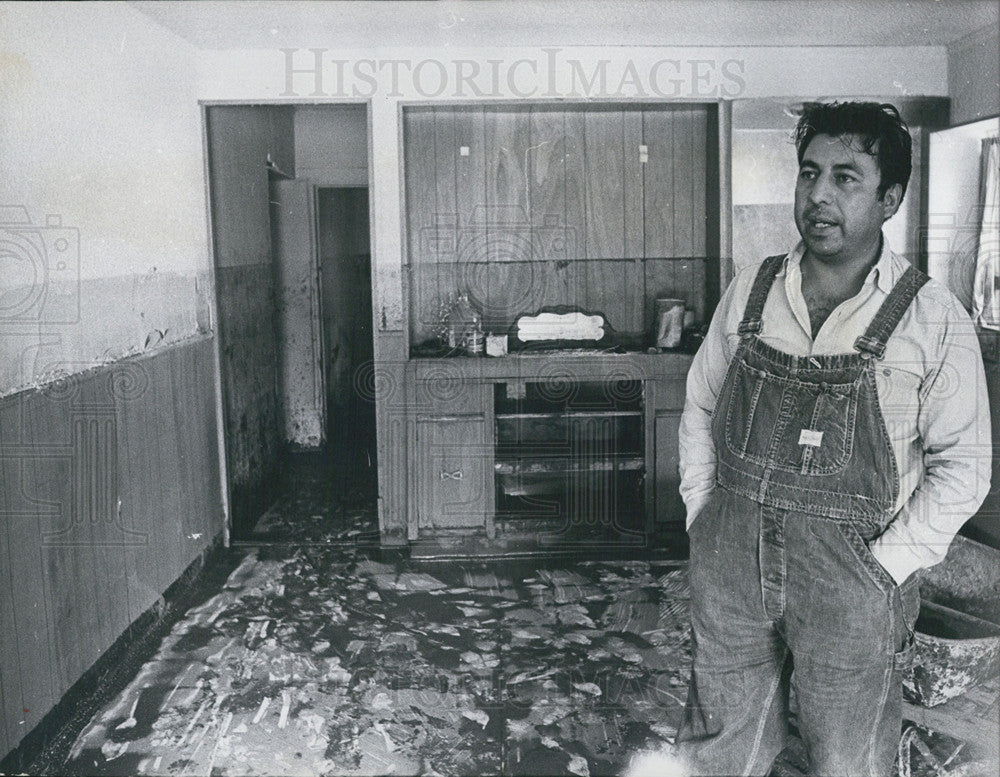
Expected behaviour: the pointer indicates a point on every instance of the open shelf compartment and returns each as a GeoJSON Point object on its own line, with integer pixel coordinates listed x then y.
{"type": "Point", "coordinates": [570, 458]}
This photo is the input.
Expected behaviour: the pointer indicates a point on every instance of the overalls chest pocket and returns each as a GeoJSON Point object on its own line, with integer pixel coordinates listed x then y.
{"type": "Point", "coordinates": [789, 424]}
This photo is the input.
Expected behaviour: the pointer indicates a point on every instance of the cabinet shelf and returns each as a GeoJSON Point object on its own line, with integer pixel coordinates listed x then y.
{"type": "Point", "coordinates": [568, 414]}
{"type": "Point", "coordinates": [622, 208]}
{"type": "Point", "coordinates": [585, 455]}
{"type": "Point", "coordinates": [557, 465]}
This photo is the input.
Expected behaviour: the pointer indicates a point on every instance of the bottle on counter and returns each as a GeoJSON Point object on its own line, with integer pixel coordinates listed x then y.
{"type": "Point", "coordinates": [475, 344]}
{"type": "Point", "coordinates": [459, 322]}
{"type": "Point", "coordinates": [462, 320]}
{"type": "Point", "coordinates": [447, 332]}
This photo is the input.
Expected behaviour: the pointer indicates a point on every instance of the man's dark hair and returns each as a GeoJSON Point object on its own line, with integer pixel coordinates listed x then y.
{"type": "Point", "coordinates": [878, 127]}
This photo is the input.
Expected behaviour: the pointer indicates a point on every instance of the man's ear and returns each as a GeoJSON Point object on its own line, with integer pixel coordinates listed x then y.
{"type": "Point", "coordinates": [891, 201]}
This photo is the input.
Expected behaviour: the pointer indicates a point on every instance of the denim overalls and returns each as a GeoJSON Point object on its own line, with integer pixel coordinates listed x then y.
{"type": "Point", "coordinates": [781, 575]}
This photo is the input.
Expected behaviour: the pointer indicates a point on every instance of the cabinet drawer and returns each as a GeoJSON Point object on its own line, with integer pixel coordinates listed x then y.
{"type": "Point", "coordinates": [669, 505]}
{"type": "Point", "coordinates": [453, 470]}
{"type": "Point", "coordinates": [670, 393]}
{"type": "Point", "coordinates": [443, 392]}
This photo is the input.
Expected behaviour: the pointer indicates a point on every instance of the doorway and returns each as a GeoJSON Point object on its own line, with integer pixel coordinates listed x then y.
{"type": "Point", "coordinates": [325, 348]}
{"type": "Point", "coordinates": [346, 302]}
{"type": "Point", "coordinates": [288, 189]}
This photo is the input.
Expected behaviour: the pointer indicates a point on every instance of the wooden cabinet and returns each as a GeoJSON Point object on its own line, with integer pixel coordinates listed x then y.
{"type": "Point", "coordinates": [668, 404]}
{"type": "Point", "coordinates": [580, 448]}
{"type": "Point", "coordinates": [452, 473]}
{"type": "Point", "coordinates": [615, 182]}
{"type": "Point", "coordinates": [600, 207]}
{"type": "Point", "coordinates": [675, 176]}
{"type": "Point", "coordinates": [453, 455]}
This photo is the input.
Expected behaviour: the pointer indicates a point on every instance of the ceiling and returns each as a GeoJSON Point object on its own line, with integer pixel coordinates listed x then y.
{"type": "Point", "coordinates": [241, 24]}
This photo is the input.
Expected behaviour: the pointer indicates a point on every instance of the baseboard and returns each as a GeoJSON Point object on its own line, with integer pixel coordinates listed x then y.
{"type": "Point", "coordinates": [46, 746]}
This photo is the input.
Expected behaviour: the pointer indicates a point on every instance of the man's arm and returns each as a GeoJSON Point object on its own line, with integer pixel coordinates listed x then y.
{"type": "Point", "coordinates": [954, 428]}
{"type": "Point", "coordinates": [705, 379]}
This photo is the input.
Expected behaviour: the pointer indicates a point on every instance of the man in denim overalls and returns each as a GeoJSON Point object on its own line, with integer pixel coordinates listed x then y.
{"type": "Point", "coordinates": [834, 439]}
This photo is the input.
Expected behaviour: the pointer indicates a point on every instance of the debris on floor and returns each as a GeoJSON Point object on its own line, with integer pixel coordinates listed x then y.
{"type": "Point", "coordinates": [329, 661]}
{"type": "Point", "coordinates": [323, 502]}
{"type": "Point", "coordinates": [320, 657]}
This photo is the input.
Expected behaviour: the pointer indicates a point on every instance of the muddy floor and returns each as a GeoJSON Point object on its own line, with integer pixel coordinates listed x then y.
{"type": "Point", "coordinates": [325, 661]}
{"type": "Point", "coordinates": [320, 656]}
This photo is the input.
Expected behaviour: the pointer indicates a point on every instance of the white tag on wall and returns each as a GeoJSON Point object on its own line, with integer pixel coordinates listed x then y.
{"type": "Point", "coordinates": [811, 437]}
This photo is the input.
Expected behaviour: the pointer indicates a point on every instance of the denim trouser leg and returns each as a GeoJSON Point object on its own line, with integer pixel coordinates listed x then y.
{"type": "Point", "coordinates": [849, 628]}
{"type": "Point", "coordinates": [771, 590]}
{"type": "Point", "coordinates": [735, 718]}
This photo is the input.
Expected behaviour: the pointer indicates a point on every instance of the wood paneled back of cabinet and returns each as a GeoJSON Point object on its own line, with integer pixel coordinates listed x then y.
{"type": "Point", "coordinates": [600, 207]}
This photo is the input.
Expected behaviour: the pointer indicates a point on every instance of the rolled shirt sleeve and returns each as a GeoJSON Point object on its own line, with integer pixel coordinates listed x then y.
{"type": "Point", "coordinates": [953, 424]}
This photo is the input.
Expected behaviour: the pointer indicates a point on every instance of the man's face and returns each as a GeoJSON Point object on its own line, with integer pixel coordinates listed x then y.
{"type": "Point", "coordinates": [837, 208]}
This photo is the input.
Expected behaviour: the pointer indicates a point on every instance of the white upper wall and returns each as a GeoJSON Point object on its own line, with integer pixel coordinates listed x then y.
{"type": "Point", "coordinates": [954, 207]}
{"type": "Point", "coordinates": [331, 144]}
{"type": "Point", "coordinates": [611, 72]}
{"type": "Point", "coordinates": [99, 124]}
{"type": "Point", "coordinates": [103, 190]}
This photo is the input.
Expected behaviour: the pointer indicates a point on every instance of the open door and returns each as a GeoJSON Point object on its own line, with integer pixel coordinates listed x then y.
{"type": "Point", "coordinates": [300, 332]}
{"type": "Point", "coordinates": [955, 219]}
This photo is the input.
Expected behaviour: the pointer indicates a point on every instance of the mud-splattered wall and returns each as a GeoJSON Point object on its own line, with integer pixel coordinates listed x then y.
{"type": "Point", "coordinates": [109, 488]}
{"type": "Point", "coordinates": [109, 480]}
{"type": "Point", "coordinates": [103, 220]}
{"type": "Point", "coordinates": [240, 141]}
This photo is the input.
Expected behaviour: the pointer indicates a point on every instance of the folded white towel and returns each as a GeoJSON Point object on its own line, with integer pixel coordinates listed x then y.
{"type": "Point", "coordinates": [560, 326]}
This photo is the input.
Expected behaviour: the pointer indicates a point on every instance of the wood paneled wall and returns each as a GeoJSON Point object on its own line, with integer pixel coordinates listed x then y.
{"type": "Point", "coordinates": [109, 488]}
{"type": "Point", "coordinates": [524, 207]}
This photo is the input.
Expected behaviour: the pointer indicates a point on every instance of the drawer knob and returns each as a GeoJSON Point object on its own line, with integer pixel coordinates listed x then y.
{"type": "Point", "coordinates": [456, 475]}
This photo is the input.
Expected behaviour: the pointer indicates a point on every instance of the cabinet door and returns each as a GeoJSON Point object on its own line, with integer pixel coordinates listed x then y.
{"type": "Point", "coordinates": [303, 397]}
{"type": "Point", "coordinates": [675, 179]}
{"type": "Point", "coordinates": [448, 392]}
{"type": "Point", "coordinates": [669, 506]}
{"type": "Point", "coordinates": [452, 475]}
{"type": "Point", "coordinates": [614, 214]}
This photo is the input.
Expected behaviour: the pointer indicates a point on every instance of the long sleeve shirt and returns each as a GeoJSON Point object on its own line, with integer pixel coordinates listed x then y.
{"type": "Point", "coordinates": [931, 389]}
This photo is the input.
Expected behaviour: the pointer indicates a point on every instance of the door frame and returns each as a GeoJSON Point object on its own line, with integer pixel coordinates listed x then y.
{"type": "Point", "coordinates": [221, 418]}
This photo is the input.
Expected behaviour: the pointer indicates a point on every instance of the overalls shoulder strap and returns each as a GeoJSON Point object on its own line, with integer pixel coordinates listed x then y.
{"type": "Point", "coordinates": [758, 294]}
{"type": "Point", "coordinates": [889, 314]}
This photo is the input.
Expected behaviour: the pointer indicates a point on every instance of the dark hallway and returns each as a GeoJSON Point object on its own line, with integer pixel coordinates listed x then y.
{"type": "Point", "coordinates": [328, 498]}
